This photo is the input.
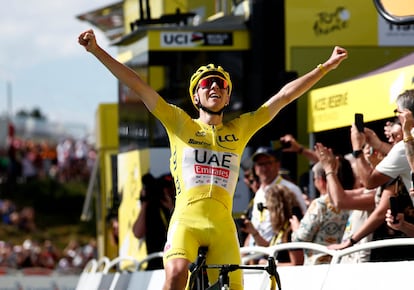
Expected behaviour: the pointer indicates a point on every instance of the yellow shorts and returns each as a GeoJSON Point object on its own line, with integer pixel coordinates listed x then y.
{"type": "Point", "coordinates": [209, 223]}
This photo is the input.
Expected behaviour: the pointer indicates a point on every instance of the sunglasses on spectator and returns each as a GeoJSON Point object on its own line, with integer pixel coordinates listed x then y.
{"type": "Point", "coordinates": [208, 82]}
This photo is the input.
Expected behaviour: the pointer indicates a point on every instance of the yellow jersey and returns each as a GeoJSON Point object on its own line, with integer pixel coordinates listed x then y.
{"type": "Point", "coordinates": [205, 159]}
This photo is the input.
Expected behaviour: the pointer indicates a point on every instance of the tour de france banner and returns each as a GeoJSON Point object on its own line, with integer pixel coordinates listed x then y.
{"type": "Point", "coordinates": [374, 96]}
{"type": "Point", "coordinates": [341, 22]}
{"type": "Point", "coordinates": [324, 22]}
{"type": "Point", "coordinates": [132, 166]}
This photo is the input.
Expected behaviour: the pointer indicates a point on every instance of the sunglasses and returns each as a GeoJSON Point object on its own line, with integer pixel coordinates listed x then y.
{"type": "Point", "coordinates": [208, 82]}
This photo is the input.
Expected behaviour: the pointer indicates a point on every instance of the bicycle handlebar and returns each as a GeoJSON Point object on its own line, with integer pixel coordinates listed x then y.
{"type": "Point", "coordinates": [271, 269]}
{"type": "Point", "coordinates": [197, 273]}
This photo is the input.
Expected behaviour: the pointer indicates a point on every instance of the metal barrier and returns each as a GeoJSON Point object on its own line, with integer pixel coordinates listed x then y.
{"type": "Point", "coordinates": [108, 274]}
{"type": "Point", "coordinates": [251, 253]}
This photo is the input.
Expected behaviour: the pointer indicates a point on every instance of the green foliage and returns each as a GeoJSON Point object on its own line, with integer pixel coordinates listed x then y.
{"type": "Point", "coordinates": [58, 208]}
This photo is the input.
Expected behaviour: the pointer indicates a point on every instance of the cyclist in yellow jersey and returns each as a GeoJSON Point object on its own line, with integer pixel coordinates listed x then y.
{"type": "Point", "coordinates": [205, 158]}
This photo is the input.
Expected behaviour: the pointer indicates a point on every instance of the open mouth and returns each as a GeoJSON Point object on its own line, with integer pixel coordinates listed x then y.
{"type": "Point", "coordinates": [214, 96]}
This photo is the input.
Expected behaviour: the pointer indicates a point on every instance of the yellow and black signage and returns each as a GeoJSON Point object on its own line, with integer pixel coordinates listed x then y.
{"type": "Point", "coordinates": [195, 39]}
{"type": "Point", "coordinates": [334, 106]}
{"type": "Point", "coordinates": [198, 40]}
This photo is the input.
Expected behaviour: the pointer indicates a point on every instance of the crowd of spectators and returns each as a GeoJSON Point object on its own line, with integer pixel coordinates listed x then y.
{"type": "Point", "coordinates": [26, 161]}
{"type": "Point", "coordinates": [354, 193]}
{"type": "Point", "coordinates": [351, 205]}
{"type": "Point", "coordinates": [23, 219]}
{"type": "Point", "coordinates": [45, 255]}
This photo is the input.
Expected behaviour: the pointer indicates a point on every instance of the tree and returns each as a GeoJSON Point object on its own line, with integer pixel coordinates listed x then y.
{"type": "Point", "coordinates": [36, 113]}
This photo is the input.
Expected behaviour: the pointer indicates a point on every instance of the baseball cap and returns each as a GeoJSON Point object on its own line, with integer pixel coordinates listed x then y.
{"type": "Point", "coordinates": [269, 151]}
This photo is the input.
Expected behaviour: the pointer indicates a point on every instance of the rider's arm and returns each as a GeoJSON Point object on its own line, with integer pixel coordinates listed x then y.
{"type": "Point", "coordinates": [299, 86]}
{"type": "Point", "coordinates": [126, 75]}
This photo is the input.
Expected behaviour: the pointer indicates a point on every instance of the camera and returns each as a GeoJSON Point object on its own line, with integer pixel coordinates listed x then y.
{"type": "Point", "coordinates": [285, 144]}
{"type": "Point", "coordinates": [261, 207]}
{"type": "Point", "coordinates": [240, 222]}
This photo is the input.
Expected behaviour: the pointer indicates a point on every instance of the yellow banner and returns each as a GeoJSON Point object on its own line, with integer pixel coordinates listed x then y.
{"type": "Point", "coordinates": [374, 96]}
{"type": "Point", "coordinates": [331, 22]}
{"type": "Point", "coordinates": [132, 166]}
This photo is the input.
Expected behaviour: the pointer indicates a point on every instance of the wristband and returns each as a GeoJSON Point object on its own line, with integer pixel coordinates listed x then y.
{"type": "Point", "coordinates": [356, 153]}
{"type": "Point", "coordinates": [408, 138]}
{"type": "Point", "coordinates": [322, 68]}
{"type": "Point", "coordinates": [353, 242]}
{"type": "Point", "coordinates": [329, 173]}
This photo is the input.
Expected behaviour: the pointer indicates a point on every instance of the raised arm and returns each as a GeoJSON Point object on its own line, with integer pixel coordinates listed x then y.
{"type": "Point", "coordinates": [375, 219]}
{"type": "Point", "coordinates": [407, 121]}
{"type": "Point", "coordinates": [298, 148]}
{"type": "Point", "coordinates": [123, 73]}
{"type": "Point", "coordinates": [342, 199]}
{"type": "Point", "coordinates": [369, 176]}
{"type": "Point", "coordinates": [299, 86]}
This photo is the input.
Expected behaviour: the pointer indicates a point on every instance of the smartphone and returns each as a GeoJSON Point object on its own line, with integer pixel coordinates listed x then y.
{"type": "Point", "coordinates": [285, 144]}
{"type": "Point", "coordinates": [297, 211]}
{"type": "Point", "coordinates": [394, 208]}
{"type": "Point", "coordinates": [277, 144]}
{"type": "Point", "coordinates": [261, 206]}
{"type": "Point", "coordinates": [359, 122]}
{"type": "Point", "coordinates": [412, 179]}
{"type": "Point", "coordinates": [240, 223]}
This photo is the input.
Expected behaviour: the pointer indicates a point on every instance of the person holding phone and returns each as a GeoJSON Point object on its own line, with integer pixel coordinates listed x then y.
{"type": "Point", "coordinates": [282, 205]}
{"type": "Point", "coordinates": [397, 220]}
{"type": "Point", "coordinates": [398, 223]}
{"type": "Point", "coordinates": [382, 177]}
{"type": "Point", "coordinates": [395, 163]}
{"type": "Point", "coordinates": [407, 122]}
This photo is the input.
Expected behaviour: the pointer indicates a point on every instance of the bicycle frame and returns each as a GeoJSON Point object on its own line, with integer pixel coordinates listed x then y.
{"type": "Point", "coordinates": [198, 279]}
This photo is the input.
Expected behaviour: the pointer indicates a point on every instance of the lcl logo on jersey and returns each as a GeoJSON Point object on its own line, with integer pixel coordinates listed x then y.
{"type": "Point", "coordinates": [228, 138]}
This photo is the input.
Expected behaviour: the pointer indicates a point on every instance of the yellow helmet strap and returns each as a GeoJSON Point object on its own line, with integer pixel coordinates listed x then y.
{"type": "Point", "coordinates": [201, 107]}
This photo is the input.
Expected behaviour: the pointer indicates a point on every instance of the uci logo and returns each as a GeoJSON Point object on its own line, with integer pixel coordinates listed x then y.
{"type": "Point", "coordinates": [177, 39]}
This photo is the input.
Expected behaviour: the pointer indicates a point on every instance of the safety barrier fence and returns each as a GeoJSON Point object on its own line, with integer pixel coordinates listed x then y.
{"type": "Point", "coordinates": [106, 274]}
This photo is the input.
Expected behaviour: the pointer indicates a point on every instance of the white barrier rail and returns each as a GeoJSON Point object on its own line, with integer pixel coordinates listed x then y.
{"type": "Point", "coordinates": [105, 274]}
{"type": "Point", "coordinates": [251, 253]}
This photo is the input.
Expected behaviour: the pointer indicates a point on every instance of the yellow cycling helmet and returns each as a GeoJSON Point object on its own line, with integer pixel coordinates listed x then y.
{"type": "Point", "coordinates": [204, 71]}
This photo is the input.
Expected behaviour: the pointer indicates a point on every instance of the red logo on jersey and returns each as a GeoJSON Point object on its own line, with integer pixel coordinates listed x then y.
{"type": "Point", "coordinates": [209, 170]}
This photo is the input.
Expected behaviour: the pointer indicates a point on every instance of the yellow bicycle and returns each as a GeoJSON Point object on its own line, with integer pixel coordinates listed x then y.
{"type": "Point", "coordinates": [198, 279]}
